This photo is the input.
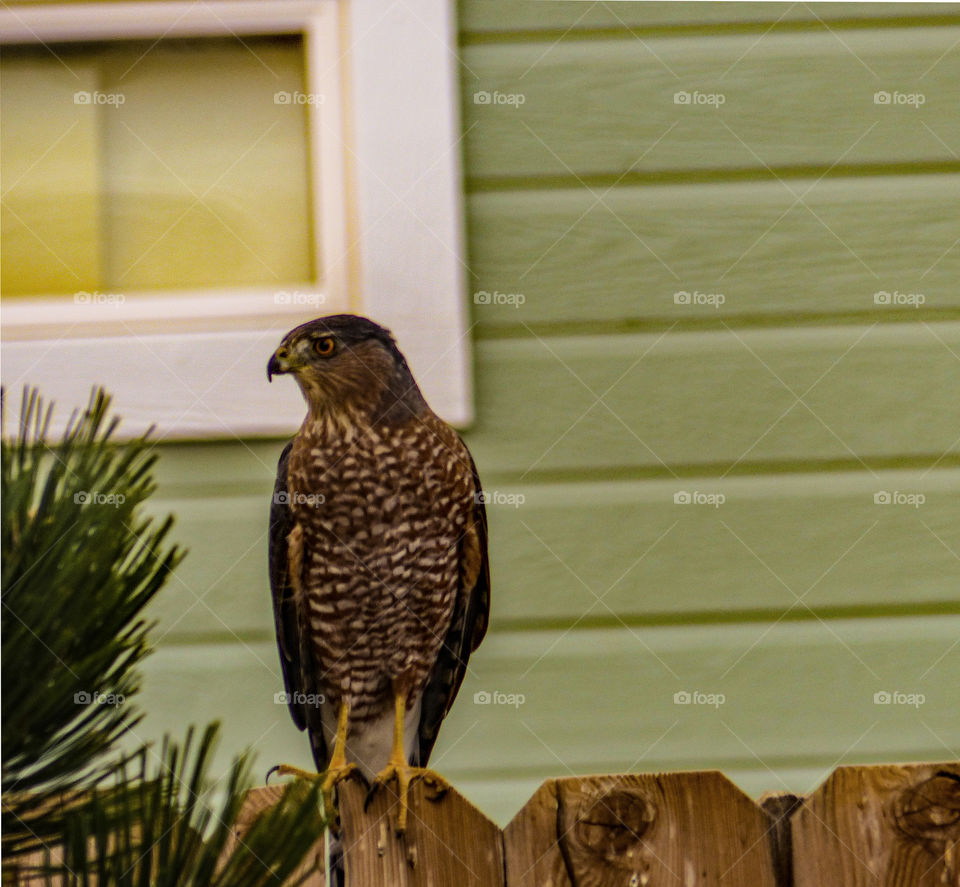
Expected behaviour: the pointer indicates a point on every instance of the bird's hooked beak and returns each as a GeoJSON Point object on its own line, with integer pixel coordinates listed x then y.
{"type": "Point", "coordinates": [279, 363]}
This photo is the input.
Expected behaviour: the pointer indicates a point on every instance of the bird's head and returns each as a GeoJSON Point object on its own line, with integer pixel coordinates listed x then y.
{"type": "Point", "coordinates": [348, 366]}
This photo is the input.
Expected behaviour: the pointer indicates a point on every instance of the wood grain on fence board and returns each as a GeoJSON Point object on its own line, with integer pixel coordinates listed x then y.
{"type": "Point", "coordinates": [448, 841]}
{"type": "Point", "coordinates": [891, 824]}
{"type": "Point", "coordinates": [672, 828]}
{"type": "Point", "coordinates": [896, 825]}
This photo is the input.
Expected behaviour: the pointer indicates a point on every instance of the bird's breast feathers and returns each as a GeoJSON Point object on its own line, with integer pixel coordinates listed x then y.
{"type": "Point", "coordinates": [382, 517]}
{"type": "Point", "coordinates": [382, 490]}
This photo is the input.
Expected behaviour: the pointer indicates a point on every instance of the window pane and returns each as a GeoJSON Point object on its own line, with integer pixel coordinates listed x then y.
{"type": "Point", "coordinates": [202, 177]}
{"type": "Point", "coordinates": [205, 176]}
{"type": "Point", "coordinates": [48, 144]}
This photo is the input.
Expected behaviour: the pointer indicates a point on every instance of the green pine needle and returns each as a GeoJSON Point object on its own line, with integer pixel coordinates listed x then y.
{"type": "Point", "coordinates": [80, 564]}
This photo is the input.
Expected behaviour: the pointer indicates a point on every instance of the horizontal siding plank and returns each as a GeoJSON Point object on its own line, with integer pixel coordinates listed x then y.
{"type": "Point", "coordinates": [795, 695]}
{"type": "Point", "coordinates": [217, 468]}
{"type": "Point", "coordinates": [596, 108]}
{"type": "Point", "coordinates": [222, 586]}
{"type": "Point", "coordinates": [623, 681]}
{"type": "Point", "coordinates": [625, 550]}
{"type": "Point", "coordinates": [575, 260]}
{"type": "Point", "coordinates": [717, 398]}
{"type": "Point", "coordinates": [492, 16]}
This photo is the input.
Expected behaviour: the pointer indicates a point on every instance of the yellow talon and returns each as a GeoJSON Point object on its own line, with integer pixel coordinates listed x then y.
{"type": "Point", "coordinates": [405, 775]}
{"type": "Point", "coordinates": [398, 768]}
{"type": "Point", "coordinates": [337, 770]}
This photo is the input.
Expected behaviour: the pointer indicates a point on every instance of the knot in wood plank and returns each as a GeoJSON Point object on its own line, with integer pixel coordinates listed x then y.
{"type": "Point", "coordinates": [930, 810]}
{"type": "Point", "coordinates": [602, 827]}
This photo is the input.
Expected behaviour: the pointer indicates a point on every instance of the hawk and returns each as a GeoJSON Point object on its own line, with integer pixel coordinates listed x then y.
{"type": "Point", "coordinates": [378, 557]}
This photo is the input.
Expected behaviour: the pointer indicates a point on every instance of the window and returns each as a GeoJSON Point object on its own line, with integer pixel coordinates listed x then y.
{"type": "Point", "coordinates": [184, 182]}
{"type": "Point", "coordinates": [132, 168]}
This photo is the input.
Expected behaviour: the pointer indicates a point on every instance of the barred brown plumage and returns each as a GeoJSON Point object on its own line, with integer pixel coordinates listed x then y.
{"type": "Point", "coordinates": [378, 555]}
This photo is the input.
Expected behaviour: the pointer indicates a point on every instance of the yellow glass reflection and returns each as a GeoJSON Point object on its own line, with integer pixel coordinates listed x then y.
{"type": "Point", "coordinates": [132, 167]}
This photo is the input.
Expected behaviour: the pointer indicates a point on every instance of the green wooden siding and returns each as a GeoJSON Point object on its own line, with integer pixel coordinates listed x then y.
{"type": "Point", "coordinates": [595, 108]}
{"type": "Point", "coordinates": [690, 564]}
{"type": "Point", "coordinates": [538, 19]}
{"type": "Point", "coordinates": [602, 700]}
{"type": "Point", "coordinates": [771, 258]}
{"type": "Point", "coordinates": [600, 398]}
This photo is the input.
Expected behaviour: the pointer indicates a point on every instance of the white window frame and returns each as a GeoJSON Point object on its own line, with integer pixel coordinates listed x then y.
{"type": "Point", "coordinates": [388, 222]}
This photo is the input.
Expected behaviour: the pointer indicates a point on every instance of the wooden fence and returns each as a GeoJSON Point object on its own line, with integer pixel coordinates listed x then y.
{"type": "Point", "coordinates": [879, 826]}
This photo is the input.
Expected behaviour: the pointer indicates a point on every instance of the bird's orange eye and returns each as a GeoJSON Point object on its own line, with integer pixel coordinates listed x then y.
{"type": "Point", "coordinates": [324, 346]}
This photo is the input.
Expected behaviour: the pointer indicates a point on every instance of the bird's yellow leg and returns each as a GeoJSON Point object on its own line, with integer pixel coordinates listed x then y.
{"type": "Point", "coordinates": [399, 768]}
{"type": "Point", "coordinates": [338, 769]}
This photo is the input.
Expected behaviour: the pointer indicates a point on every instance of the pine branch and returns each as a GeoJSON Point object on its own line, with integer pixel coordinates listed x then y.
{"type": "Point", "coordinates": [170, 834]}
{"type": "Point", "coordinates": [80, 563]}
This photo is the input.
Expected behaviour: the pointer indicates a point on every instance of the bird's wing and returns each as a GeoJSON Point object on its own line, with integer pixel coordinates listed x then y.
{"type": "Point", "coordinates": [296, 658]}
{"type": "Point", "coordinates": [467, 627]}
